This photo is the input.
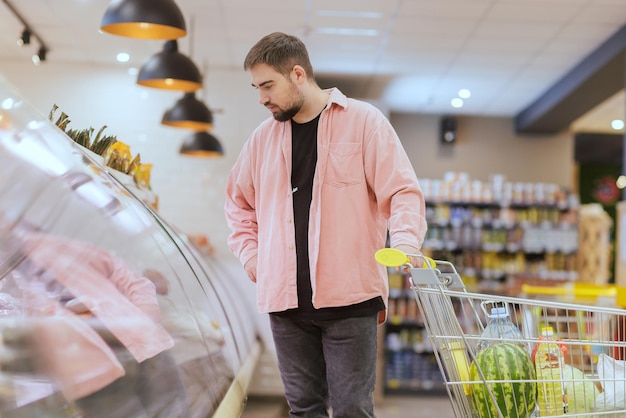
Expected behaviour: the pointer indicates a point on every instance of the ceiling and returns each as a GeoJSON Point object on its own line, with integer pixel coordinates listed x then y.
{"type": "Point", "coordinates": [408, 55]}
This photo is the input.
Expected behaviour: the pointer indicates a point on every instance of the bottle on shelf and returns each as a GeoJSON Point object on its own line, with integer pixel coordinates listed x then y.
{"type": "Point", "coordinates": [499, 329]}
{"type": "Point", "coordinates": [549, 360]}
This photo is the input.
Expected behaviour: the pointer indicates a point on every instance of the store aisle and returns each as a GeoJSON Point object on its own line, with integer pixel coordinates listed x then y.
{"type": "Point", "coordinates": [390, 407]}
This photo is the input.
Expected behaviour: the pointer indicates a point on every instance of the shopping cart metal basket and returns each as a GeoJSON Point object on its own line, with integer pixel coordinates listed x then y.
{"type": "Point", "coordinates": [591, 338]}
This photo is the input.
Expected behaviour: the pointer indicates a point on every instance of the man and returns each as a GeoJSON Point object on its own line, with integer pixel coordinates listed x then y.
{"type": "Point", "coordinates": [309, 201]}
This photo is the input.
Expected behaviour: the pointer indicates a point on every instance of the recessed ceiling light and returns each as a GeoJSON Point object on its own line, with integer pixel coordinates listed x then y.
{"type": "Point", "coordinates": [122, 57]}
{"type": "Point", "coordinates": [456, 102]}
{"type": "Point", "coordinates": [347, 31]}
{"type": "Point", "coordinates": [617, 124]}
{"type": "Point", "coordinates": [133, 71]}
{"type": "Point", "coordinates": [8, 103]}
{"type": "Point", "coordinates": [465, 94]}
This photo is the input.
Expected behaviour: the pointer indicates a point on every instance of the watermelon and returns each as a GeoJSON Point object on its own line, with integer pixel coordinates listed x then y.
{"type": "Point", "coordinates": [516, 396]}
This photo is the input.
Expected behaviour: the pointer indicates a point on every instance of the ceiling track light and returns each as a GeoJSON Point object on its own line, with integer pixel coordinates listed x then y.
{"type": "Point", "coordinates": [28, 33]}
{"type": "Point", "coordinates": [170, 70]}
{"type": "Point", "coordinates": [189, 113]}
{"type": "Point", "coordinates": [40, 56]}
{"type": "Point", "coordinates": [24, 39]}
{"type": "Point", "coordinates": [144, 19]}
{"type": "Point", "coordinates": [201, 144]}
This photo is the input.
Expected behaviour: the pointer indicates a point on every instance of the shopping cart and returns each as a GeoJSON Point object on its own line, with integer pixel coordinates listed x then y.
{"type": "Point", "coordinates": [592, 339]}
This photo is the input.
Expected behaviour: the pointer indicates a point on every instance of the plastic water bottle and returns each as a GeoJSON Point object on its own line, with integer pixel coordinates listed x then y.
{"type": "Point", "coordinates": [549, 367]}
{"type": "Point", "coordinates": [500, 329]}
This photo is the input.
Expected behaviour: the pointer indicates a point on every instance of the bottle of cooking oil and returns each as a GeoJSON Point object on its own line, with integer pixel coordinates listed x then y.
{"type": "Point", "coordinates": [549, 367]}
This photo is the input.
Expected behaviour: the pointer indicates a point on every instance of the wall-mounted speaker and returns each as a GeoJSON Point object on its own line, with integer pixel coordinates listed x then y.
{"type": "Point", "coordinates": [448, 131]}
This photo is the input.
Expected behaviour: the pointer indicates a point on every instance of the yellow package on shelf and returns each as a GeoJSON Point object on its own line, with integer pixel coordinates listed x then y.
{"type": "Point", "coordinates": [580, 292]}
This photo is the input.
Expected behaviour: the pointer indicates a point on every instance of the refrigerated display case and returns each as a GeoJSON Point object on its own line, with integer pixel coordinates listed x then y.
{"type": "Point", "coordinates": [105, 309]}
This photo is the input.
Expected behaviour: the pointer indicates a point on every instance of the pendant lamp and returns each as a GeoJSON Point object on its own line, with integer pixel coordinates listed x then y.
{"type": "Point", "coordinates": [144, 19]}
{"type": "Point", "coordinates": [189, 113]}
{"type": "Point", "coordinates": [170, 70]}
{"type": "Point", "coordinates": [201, 144]}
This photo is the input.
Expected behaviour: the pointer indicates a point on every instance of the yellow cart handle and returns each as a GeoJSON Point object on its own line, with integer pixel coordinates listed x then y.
{"type": "Point", "coordinates": [392, 257]}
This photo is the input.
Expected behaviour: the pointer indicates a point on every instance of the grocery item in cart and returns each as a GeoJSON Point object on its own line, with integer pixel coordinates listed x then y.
{"type": "Point", "coordinates": [581, 391]}
{"type": "Point", "coordinates": [499, 329]}
{"type": "Point", "coordinates": [549, 367]}
{"type": "Point", "coordinates": [505, 382]}
{"type": "Point", "coordinates": [613, 381]}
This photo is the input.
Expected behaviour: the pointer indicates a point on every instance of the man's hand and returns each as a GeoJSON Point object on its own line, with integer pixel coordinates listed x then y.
{"type": "Point", "coordinates": [250, 268]}
{"type": "Point", "coordinates": [411, 252]}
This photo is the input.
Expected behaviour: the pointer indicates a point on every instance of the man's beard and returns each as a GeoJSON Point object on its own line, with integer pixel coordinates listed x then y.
{"type": "Point", "coordinates": [287, 114]}
{"type": "Point", "coordinates": [293, 108]}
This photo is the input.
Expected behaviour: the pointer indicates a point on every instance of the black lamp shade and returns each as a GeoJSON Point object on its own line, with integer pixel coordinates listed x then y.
{"type": "Point", "coordinates": [201, 144]}
{"type": "Point", "coordinates": [170, 70]}
{"type": "Point", "coordinates": [144, 19]}
{"type": "Point", "coordinates": [189, 113]}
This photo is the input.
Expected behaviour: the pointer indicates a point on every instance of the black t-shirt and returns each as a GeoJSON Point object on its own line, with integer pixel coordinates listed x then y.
{"type": "Point", "coordinates": [304, 160]}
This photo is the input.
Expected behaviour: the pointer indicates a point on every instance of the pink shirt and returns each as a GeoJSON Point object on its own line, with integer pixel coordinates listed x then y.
{"type": "Point", "coordinates": [364, 183]}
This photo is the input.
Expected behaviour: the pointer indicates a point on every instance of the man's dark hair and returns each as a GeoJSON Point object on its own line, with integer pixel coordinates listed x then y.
{"type": "Point", "coordinates": [281, 52]}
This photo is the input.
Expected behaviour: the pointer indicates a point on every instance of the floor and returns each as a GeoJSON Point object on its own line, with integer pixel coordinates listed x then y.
{"type": "Point", "coordinates": [265, 398]}
{"type": "Point", "coordinates": [419, 406]}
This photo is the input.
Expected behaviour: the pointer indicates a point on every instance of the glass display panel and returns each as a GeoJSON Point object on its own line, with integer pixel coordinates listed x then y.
{"type": "Point", "coordinates": [105, 310]}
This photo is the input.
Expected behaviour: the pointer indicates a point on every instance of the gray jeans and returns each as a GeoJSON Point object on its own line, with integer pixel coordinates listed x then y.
{"type": "Point", "coordinates": [327, 363]}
